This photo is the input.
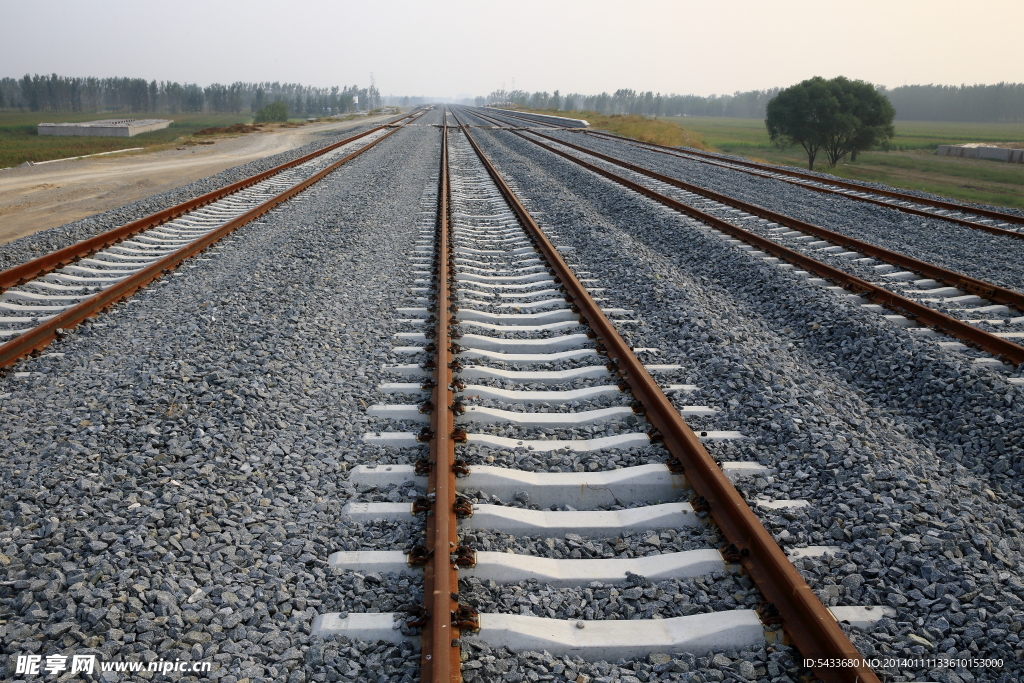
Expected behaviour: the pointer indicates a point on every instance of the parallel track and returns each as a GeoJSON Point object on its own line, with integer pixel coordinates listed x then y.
{"type": "Point", "coordinates": [43, 298]}
{"type": "Point", "coordinates": [998, 346]}
{"type": "Point", "coordinates": [907, 203]}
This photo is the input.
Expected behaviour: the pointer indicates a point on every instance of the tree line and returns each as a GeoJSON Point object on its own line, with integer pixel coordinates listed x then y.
{"type": "Point", "coordinates": [56, 93]}
{"type": "Point", "coordinates": [1002, 102]}
{"type": "Point", "coordinates": [626, 101]}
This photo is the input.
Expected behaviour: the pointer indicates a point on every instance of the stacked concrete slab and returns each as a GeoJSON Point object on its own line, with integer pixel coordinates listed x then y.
{"type": "Point", "coordinates": [977, 151]}
{"type": "Point", "coordinates": [110, 128]}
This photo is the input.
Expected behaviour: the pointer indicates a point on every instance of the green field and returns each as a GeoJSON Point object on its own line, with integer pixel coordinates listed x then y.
{"type": "Point", "coordinates": [19, 141]}
{"type": "Point", "coordinates": [910, 163]}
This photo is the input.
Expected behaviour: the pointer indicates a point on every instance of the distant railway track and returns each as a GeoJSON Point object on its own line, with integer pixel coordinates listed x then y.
{"type": "Point", "coordinates": [979, 301]}
{"type": "Point", "coordinates": [987, 220]}
{"type": "Point", "coordinates": [44, 297]}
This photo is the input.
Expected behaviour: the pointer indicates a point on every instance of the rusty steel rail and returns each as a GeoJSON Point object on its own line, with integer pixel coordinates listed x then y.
{"type": "Point", "coordinates": [937, 203]}
{"type": "Point", "coordinates": [40, 336]}
{"type": "Point", "coordinates": [812, 628]}
{"type": "Point", "coordinates": [439, 651]}
{"type": "Point", "coordinates": [37, 267]}
{"type": "Point", "coordinates": [997, 346]}
{"type": "Point", "coordinates": [988, 290]}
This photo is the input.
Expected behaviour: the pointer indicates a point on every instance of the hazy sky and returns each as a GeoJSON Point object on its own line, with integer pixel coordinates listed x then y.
{"type": "Point", "coordinates": [458, 47]}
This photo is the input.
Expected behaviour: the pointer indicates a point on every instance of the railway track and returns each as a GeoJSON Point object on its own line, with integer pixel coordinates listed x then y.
{"type": "Point", "coordinates": [48, 296]}
{"type": "Point", "coordinates": [506, 311]}
{"type": "Point", "coordinates": [912, 290]}
{"type": "Point", "coordinates": [565, 505]}
{"type": "Point", "coordinates": [987, 220]}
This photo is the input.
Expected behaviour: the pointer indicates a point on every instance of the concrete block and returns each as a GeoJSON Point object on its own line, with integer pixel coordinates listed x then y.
{"type": "Point", "coordinates": [529, 397]}
{"type": "Point", "coordinates": [812, 551]}
{"type": "Point", "coordinates": [595, 524]}
{"type": "Point", "coordinates": [508, 568]}
{"type": "Point", "coordinates": [367, 627]}
{"type": "Point", "coordinates": [528, 358]}
{"type": "Point", "coordinates": [601, 415]}
{"type": "Point", "coordinates": [981, 151]}
{"type": "Point", "coordinates": [560, 343]}
{"type": "Point", "coordinates": [611, 640]}
{"type": "Point", "coordinates": [581, 490]}
{"type": "Point", "coordinates": [107, 128]}
{"type": "Point", "coordinates": [862, 617]}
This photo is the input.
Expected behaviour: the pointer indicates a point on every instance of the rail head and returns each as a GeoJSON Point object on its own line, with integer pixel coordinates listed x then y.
{"type": "Point", "coordinates": [440, 659]}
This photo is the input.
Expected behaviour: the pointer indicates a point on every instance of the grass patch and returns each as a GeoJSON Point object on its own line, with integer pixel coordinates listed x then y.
{"type": "Point", "coordinates": [645, 129]}
{"type": "Point", "coordinates": [20, 141]}
{"type": "Point", "coordinates": [910, 163]}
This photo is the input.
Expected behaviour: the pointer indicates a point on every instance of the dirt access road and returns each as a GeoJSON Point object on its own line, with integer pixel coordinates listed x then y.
{"type": "Point", "coordinates": [38, 197]}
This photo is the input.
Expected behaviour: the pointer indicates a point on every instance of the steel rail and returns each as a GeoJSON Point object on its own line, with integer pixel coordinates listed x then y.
{"type": "Point", "coordinates": [40, 336]}
{"type": "Point", "coordinates": [20, 274]}
{"type": "Point", "coordinates": [440, 653]}
{"type": "Point", "coordinates": [812, 628]}
{"type": "Point", "coordinates": [997, 346]}
{"type": "Point", "coordinates": [938, 203]}
{"type": "Point", "coordinates": [988, 290]}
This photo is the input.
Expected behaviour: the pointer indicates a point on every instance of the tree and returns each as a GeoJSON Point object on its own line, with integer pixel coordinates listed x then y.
{"type": "Point", "coordinates": [837, 116]}
{"type": "Point", "coordinates": [275, 111]}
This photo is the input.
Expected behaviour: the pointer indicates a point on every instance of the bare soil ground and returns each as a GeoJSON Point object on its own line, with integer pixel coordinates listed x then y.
{"type": "Point", "coordinates": [47, 195]}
